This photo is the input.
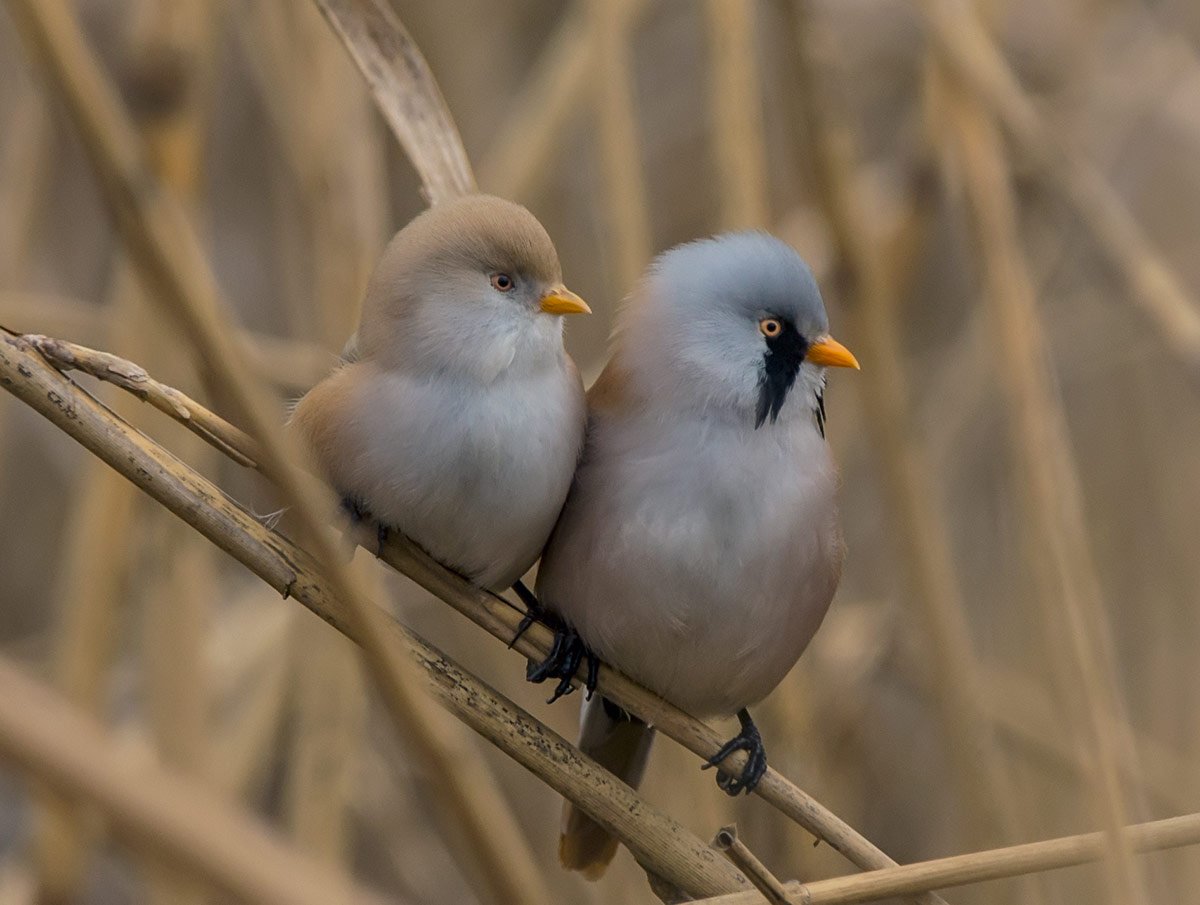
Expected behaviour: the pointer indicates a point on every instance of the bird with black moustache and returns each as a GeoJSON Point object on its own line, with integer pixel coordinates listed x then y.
{"type": "Point", "coordinates": [699, 547]}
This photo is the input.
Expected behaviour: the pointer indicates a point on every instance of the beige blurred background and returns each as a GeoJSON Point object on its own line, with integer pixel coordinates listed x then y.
{"type": "Point", "coordinates": [941, 708]}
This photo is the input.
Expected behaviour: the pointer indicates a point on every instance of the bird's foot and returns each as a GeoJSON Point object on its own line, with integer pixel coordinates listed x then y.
{"type": "Point", "coordinates": [534, 611]}
{"type": "Point", "coordinates": [358, 514]}
{"type": "Point", "coordinates": [563, 661]}
{"type": "Point", "coordinates": [751, 742]}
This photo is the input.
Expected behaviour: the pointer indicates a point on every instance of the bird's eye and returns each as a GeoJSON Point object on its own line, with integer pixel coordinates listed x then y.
{"type": "Point", "coordinates": [502, 282]}
{"type": "Point", "coordinates": [770, 327]}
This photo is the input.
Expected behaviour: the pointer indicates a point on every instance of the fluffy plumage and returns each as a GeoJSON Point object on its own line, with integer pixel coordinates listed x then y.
{"type": "Point", "coordinates": [699, 547]}
{"type": "Point", "coordinates": [460, 418]}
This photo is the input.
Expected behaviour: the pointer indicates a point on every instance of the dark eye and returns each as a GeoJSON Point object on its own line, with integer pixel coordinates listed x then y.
{"type": "Point", "coordinates": [502, 282]}
{"type": "Point", "coordinates": [770, 327]}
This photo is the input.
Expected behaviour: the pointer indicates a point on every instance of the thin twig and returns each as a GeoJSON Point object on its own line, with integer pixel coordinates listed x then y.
{"type": "Point", "coordinates": [234, 443]}
{"type": "Point", "coordinates": [924, 540]}
{"type": "Point", "coordinates": [747, 862]}
{"type": "Point", "coordinates": [157, 810]}
{"type": "Point", "coordinates": [655, 839]}
{"type": "Point", "coordinates": [172, 262]}
{"type": "Point", "coordinates": [553, 91]}
{"type": "Point", "coordinates": [978, 867]}
{"type": "Point", "coordinates": [499, 617]}
{"type": "Point", "coordinates": [1154, 286]}
{"type": "Point", "coordinates": [1047, 477]}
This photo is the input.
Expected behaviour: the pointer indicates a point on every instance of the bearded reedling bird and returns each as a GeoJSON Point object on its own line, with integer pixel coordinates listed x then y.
{"type": "Point", "coordinates": [699, 547]}
{"type": "Point", "coordinates": [458, 419]}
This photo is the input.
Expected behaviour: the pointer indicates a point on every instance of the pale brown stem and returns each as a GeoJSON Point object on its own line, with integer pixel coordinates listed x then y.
{"type": "Point", "coordinates": [978, 867]}
{"type": "Point", "coordinates": [154, 810]}
{"type": "Point", "coordinates": [654, 838]}
{"type": "Point", "coordinates": [747, 862]}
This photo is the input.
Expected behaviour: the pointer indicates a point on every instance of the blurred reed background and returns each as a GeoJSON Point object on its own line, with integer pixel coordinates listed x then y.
{"type": "Point", "coordinates": [1011, 655]}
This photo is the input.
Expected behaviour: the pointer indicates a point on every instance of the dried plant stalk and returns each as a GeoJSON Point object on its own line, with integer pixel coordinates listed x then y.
{"type": "Point", "coordinates": [924, 538]}
{"type": "Point", "coordinates": [970, 52]}
{"type": "Point", "coordinates": [406, 93]}
{"type": "Point", "coordinates": [532, 132]}
{"type": "Point", "coordinates": [655, 839]}
{"type": "Point", "coordinates": [1047, 478]}
{"type": "Point", "coordinates": [747, 862]}
{"type": "Point", "coordinates": [156, 810]}
{"type": "Point", "coordinates": [978, 867]}
{"type": "Point", "coordinates": [499, 617]}
{"type": "Point", "coordinates": [173, 265]}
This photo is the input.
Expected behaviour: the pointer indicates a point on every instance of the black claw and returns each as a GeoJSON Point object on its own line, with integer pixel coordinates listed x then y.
{"type": "Point", "coordinates": [751, 742]}
{"type": "Point", "coordinates": [534, 612]}
{"type": "Point", "coordinates": [566, 655]}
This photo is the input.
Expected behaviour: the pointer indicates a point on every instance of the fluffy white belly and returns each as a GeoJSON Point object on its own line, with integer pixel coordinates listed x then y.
{"type": "Point", "coordinates": [702, 574]}
{"type": "Point", "coordinates": [475, 475]}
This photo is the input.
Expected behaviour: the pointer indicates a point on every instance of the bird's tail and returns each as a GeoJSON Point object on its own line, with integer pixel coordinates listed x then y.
{"type": "Point", "coordinates": [621, 744]}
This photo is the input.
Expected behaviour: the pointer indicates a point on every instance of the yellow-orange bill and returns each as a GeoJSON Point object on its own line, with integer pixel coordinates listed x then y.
{"type": "Point", "coordinates": [831, 353]}
{"type": "Point", "coordinates": [561, 300]}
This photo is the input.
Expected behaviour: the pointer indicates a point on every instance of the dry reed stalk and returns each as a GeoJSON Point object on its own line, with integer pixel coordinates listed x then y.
{"type": "Point", "coordinates": [737, 118]}
{"type": "Point", "coordinates": [247, 656]}
{"type": "Point", "coordinates": [924, 537]}
{"type": "Point", "coordinates": [406, 93]}
{"type": "Point", "coordinates": [288, 364]}
{"type": "Point", "coordinates": [500, 618]}
{"type": "Point", "coordinates": [132, 378]}
{"type": "Point", "coordinates": [620, 141]}
{"type": "Point", "coordinates": [156, 810]}
{"type": "Point", "coordinates": [747, 862]}
{"type": "Point", "coordinates": [552, 93]}
{"type": "Point", "coordinates": [24, 169]}
{"type": "Point", "coordinates": [655, 839]}
{"type": "Point", "coordinates": [327, 130]}
{"type": "Point", "coordinates": [177, 275]}
{"type": "Point", "coordinates": [171, 62]}
{"type": "Point", "coordinates": [967, 48]}
{"type": "Point", "coordinates": [1047, 479]}
{"type": "Point", "coordinates": [978, 867]}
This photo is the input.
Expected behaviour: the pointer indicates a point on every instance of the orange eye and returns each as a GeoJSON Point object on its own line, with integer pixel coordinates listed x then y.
{"type": "Point", "coordinates": [770, 327]}
{"type": "Point", "coordinates": [502, 282]}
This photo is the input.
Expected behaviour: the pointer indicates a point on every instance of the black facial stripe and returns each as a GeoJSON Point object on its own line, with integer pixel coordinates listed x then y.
{"type": "Point", "coordinates": [781, 364]}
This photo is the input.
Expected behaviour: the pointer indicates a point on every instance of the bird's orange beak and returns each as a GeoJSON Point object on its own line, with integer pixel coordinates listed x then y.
{"type": "Point", "coordinates": [561, 300]}
{"type": "Point", "coordinates": [831, 353]}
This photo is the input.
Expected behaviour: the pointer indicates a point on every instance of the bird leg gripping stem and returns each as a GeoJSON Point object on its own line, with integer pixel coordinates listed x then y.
{"type": "Point", "coordinates": [751, 742]}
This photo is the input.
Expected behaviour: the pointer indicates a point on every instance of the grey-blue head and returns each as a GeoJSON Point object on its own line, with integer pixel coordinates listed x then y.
{"type": "Point", "coordinates": [732, 320]}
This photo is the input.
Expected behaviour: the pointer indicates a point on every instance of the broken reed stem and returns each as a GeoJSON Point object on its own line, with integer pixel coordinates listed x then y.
{"type": "Point", "coordinates": [655, 839]}
{"type": "Point", "coordinates": [499, 617]}
{"type": "Point", "coordinates": [406, 93]}
{"type": "Point", "coordinates": [150, 808]}
{"type": "Point", "coordinates": [978, 867]}
{"type": "Point", "coordinates": [212, 428]}
{"type": "Point", "coordinates": [172, 263]}
{"type": "Point", "coordinates": [967, 48]}
{"type": "Point", "coordinates": [747, 862]}
{"type": "Point", "coordinates": [924, 540]}
{"type": "Point", "coordinates": [1046, 476]}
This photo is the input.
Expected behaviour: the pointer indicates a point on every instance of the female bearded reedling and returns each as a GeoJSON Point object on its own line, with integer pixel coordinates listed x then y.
{"type": "Point", "coordinates": [699, 547]}
{"type": "Point", "coordinates": [460, 417]}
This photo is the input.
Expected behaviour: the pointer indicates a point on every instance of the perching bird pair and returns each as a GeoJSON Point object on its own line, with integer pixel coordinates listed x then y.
{"type": "Point", "coordinates": [685, 515]}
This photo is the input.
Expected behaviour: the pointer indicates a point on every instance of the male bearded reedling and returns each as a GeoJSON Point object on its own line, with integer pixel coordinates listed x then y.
{"type": "Point", "coordinates": [699, 547]}
{"type": "Point", "coordinates": [459, 419]}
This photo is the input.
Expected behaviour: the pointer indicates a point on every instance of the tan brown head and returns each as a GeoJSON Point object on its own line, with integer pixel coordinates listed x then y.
{"type": "Point", "coordinates": [478, 273]}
